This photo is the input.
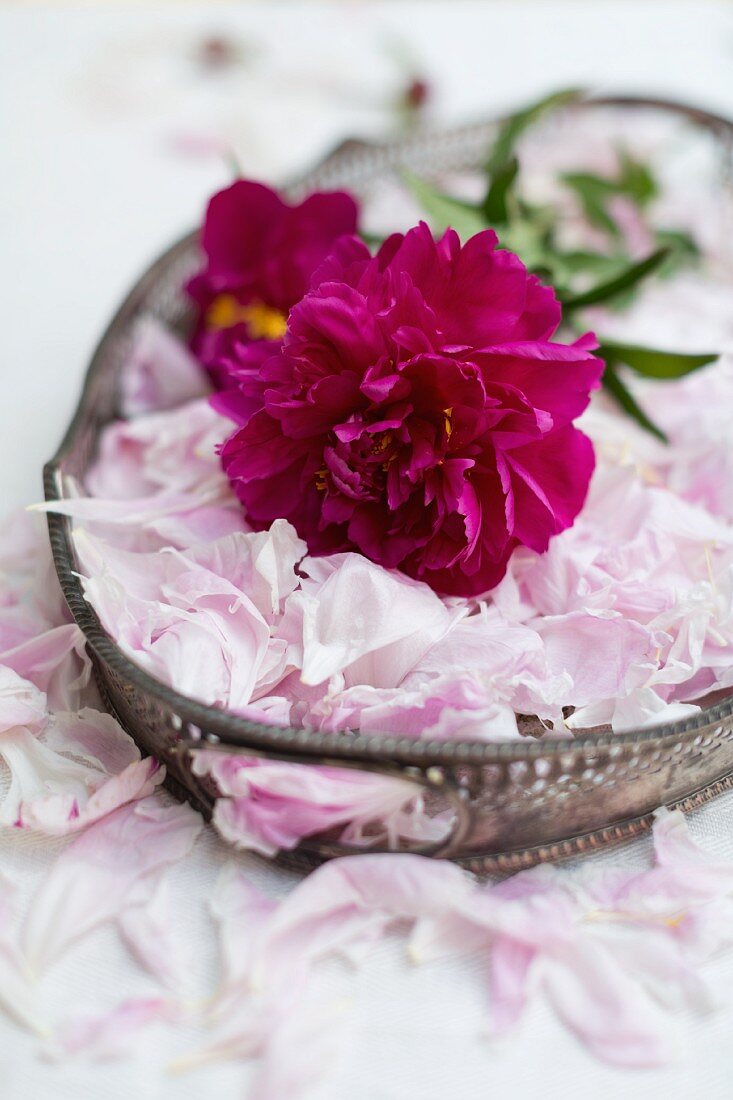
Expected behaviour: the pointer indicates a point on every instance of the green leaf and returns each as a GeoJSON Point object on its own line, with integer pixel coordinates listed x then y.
{"type": "Point", "coordinates": [232, 162]}
{"type": "Point", "coordinates": [442, 210]}
{"type": "Point", "coordinates": [580, 262]}
{"type": "Point", "coordinates": [515, 125]}
{"type": "Point", "coordinates": [616, 388]}
{"type": "Point", "coordinates": [636, 179]}
{"type": "Point", "coordinates": [679, 241]}
{"type": "Point", "coordinates": [683, 250]}
{"type": "Point", "coordinates": [593, 193]}
{"type": "Point", "coordinates": [620, 283]}
{"type": "Point", "coordinates": [494, 206]}
{"type": "Point", "coordinates": [372, 240]}
{"type": "Point", "coordinates": [652, 363]}
{"type": "Point", "coordinates": [592, 267]}
{"type": "Point", "coordinates": [526, 238]}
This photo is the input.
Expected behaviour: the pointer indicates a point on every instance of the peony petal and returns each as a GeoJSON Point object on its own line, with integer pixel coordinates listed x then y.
{"type": "Point", "coordinates": [61, 814]}
{"type": "Point", "coordinates": [267, 806]}
{"type": "Point", "coordinates": [21, 703]}
{"type": "Point", "coordinates": [56, 661]}
{"type": "Point", "coordinates": [103, 870]}
{"type": "Point", "coordinates": [110, 1035]}
{"type": "Point", "coordinates": [37, 772]}
{"type": "Point", "coordinates": [361, 611]}
{"type": "Point", "coordinates": [160, 372]}
{"type": "Point", "coordinates": [615, 1018]}
{"type": "Point", "coordinates": [147, 929]}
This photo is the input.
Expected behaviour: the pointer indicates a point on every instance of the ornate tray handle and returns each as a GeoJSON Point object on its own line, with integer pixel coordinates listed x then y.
{"type": "Point", "coordinates": [439, 781]}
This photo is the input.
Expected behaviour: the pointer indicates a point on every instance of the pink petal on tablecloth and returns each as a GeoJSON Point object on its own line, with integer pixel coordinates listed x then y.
{"type": "Point", "coordinates": [110, 1035]}
{"type": "Point", "coordinates": [348, 903]}
{"type": "Point", "coordinates": [61, 814]}
{"type": "Point", "coordinates": [608, 1009]}
{"type": "Point", "coordinates": [303, 1049]}
{"type": "Point", "coordinates": [149, 932]}
{"type": "Point", "coordinates": [18, 995]}
{"type": "Point", "coordinates": [108, 867]}
{"type": "Point", "coordinates": [56, 661]}
{"type": "Point", "coordinates": [37, 772]}
{"type": "Point", "coordinates": [80, 769]}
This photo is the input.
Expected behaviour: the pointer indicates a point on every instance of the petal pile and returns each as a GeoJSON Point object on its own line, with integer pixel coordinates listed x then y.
{"type": "Point", "coordinates": [624, 621]}
{"type": "Point", "coordinates": [612, 950]}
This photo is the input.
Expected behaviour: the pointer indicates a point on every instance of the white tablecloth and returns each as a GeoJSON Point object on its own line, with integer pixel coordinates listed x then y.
{"type": "Point", "coordinates": [103, 112]}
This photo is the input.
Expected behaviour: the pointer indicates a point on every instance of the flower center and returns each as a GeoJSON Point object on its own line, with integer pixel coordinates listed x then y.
{"type": "Point", "coordinates": [263, 322]}
{"type": "Point", "coordinates": [381, 443]}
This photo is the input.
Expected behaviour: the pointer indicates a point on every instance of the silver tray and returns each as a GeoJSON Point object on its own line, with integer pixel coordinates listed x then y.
{"type": "Point", "coordinates": [514, 803]}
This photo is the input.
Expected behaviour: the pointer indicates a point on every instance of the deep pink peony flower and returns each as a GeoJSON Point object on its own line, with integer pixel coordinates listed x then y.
{"type": "Point", "coordinates": [417, 411]}
{"type": "Point", "coordinates": [260, 255]}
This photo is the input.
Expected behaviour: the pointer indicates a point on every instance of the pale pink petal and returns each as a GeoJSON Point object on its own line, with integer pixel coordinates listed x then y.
{"type": "Point", "coordinates": [130, 510]}
{"type": "Point", "coordinates": [160, 372]}
{"type": "Point", "coordinates": [18, 995]}
{"type": "Point", "coordinates": [56, 662]}
{"type": "Point", "coordinates": [105, 869]}
{"type": "Point", "coordinates": [701, 876]}
{"type": "Point", "coordinates": [261, 564]}
{"type": "Point", "coordinates": [605, 655]}
{"type": "Point", "coordinates": [172, 451]}
{"type": "Point", "coordinates": [243, 914]}
{"type": "Point", "coordinates": [606, 1008]}
{"type": "Point", "coordinates": [61, 814]}
{"type": "Point", "coordinates": [510, 970]}
{"type": "Point", "coordinates": [95, 737]}
{"type": "Point", "coordinates": [111, 1035]}
{"type": "Point", "coordinates": [303, 1050]}
{"type": "Point", "coordinates": [37, 772]}
{"type": "Point", "coordinates": [350, 901]}
{"type": "Point", "coordinates": [187, 625]}
{"type": "Point", "coordinates": [21, 703]}
{"type": "Point", "coordinates": [371, 624]}
{"type": "Point", "coordinates": [268, 805]}
{"type": "Point", "coordinates": [148, 931]}
{"type": "Point", "coordinates": [82, 768]}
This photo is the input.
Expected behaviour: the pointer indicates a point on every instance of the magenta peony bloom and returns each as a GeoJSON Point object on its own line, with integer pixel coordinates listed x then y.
{"type": "Point", "coordinates": [417, 411]}
{"type": "Point", "coordinates": [260, 255]}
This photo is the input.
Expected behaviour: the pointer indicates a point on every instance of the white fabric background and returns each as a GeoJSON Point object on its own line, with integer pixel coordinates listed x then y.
{"type": "Point", "coordinates": [92, 102]}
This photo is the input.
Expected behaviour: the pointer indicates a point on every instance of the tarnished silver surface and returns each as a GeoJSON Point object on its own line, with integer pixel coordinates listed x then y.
{"type": "Point", "coordinates": [513, 803]}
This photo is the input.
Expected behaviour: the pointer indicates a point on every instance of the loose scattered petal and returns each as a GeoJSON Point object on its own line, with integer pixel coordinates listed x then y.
{"type": "Point", "coordinates": [108, 867]}
{"type": "Point", "coordinates": [110, 1035]}
{"type": "Point", "coordinates": [148, 930]}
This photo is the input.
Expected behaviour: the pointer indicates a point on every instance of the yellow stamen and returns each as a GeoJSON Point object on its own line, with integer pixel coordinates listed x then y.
{"type": "Point", "coordinates": [381, 443]}
{"type": "Point", "coordinates": [675, 922]}
{"type": "Point", "coordinates": [263, 322]}
{"type": "Point", "coordinates": [321, 480]}
{"type": "Point", "coordinates": [448, 422]}
{"type": "Point", "coordinates": [635, 918]}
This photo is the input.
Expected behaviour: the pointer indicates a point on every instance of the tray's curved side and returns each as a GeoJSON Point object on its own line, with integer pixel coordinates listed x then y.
{"type": "Point", "coordinates": [531, 800]}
